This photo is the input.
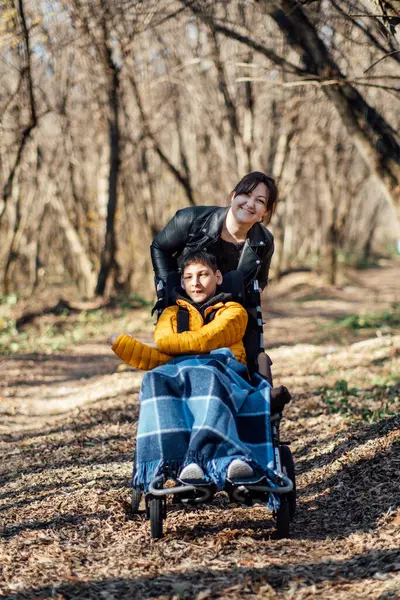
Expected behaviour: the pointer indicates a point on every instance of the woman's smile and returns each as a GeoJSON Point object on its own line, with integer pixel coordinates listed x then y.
{"type": "Point", "coordinates": [247, 210]}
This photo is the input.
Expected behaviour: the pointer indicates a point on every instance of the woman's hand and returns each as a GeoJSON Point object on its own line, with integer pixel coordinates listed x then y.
{"type": "Point", "coordinates": [264, 366]}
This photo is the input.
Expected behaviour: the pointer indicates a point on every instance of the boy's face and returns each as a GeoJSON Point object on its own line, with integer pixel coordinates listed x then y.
{"type": "Point", "coordinates": [200, 282]}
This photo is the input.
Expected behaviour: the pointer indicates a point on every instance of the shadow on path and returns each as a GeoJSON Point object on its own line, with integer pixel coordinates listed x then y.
{"type": "Point", "coordinates": [363, 566]}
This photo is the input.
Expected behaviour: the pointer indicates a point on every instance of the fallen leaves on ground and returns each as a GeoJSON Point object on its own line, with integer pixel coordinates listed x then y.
{"type": "Point", "coordinates": [66, 525]}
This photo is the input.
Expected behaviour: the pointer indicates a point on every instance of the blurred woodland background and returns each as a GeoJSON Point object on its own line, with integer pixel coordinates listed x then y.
{"type": "Point", "coordinates": [116, 113]}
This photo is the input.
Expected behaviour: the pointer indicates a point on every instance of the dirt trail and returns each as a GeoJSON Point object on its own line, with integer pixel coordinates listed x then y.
{"type": "Point", "coordinates": [68, 424]}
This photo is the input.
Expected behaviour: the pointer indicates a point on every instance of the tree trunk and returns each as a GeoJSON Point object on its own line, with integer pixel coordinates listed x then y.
{"type": "Point", "coordinates": [284, 170]}
{"type": "Point", "coordinates": [331, 254]}
{"type": "Point", "coordinates": [234, 135]}
{"type": "Point", "coordinates": [35, 269]}
{"type": "Point", "coordinates": [81, 262]}
{"type": "Point", "coordinates": [20, 222]}
{"type": "Point", "coordinates": [249, 120]}
{"type": "Point", "coordinates": [108, 255]}
{"type": "Point", "coordinates": [329, 251]}
{"type": "Point", "coordinates": [373, 222]}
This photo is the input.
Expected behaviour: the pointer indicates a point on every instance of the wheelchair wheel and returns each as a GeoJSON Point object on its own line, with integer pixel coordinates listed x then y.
{"type": "Point", "coordinates": [283, 518]}
{"type": "Point", "coordinates": [156, 518]}
{"type": "Point", "coordinates": [136, 498]}
{"type": "Point", "coordinates": [288, 469]}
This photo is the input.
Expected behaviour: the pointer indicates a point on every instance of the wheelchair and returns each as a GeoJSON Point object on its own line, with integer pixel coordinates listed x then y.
{"type": "Point", "coordinates": [281, 484]}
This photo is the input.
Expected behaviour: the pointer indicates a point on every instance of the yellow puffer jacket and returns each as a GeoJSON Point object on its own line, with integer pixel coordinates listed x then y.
{"type": "Point", "coordinates": [226, 330]}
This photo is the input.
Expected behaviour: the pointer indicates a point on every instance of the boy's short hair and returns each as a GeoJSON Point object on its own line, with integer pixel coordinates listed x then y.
{"type": "Point", "coordinates": [198, 256]}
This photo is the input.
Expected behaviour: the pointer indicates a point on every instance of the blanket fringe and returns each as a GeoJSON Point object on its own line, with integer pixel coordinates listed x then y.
{"type": "Point", "coordinates": [215, 470]}
{"type": "Point", "coordinates": [145, 472]}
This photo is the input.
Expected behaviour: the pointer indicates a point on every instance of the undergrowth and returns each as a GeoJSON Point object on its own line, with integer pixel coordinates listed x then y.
{"type": "Point", "coordinates": [385, 319]}
{"type": "Point", "coordinates": [53, 333]}
{"type": "Point", "coordinates": [372, 405]}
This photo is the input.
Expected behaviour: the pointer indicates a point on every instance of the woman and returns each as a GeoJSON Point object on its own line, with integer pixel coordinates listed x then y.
{"type": "Point", "coordinates": [234, 235]}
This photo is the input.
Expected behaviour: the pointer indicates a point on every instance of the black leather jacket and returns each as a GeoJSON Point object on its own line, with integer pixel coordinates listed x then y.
{"type": "Point", "coordinates": [199, 227]}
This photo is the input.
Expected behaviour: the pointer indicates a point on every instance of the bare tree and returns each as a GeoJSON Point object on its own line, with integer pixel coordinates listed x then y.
{"type": "Point", "coordinates": [25, 84]}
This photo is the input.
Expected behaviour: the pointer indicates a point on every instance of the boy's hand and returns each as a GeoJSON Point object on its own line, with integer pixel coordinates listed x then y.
{"type": "Point", "coordinates": [114, 336]}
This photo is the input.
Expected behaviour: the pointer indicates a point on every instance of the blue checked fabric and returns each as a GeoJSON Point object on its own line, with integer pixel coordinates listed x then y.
{"type": "Point", "coordinates": [202, 409]}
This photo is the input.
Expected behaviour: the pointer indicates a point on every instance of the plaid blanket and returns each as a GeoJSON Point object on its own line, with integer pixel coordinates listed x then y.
{"type": "Point", "coordinates": [202, 409]}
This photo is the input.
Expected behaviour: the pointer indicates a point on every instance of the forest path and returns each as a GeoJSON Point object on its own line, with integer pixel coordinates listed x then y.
{"type": "Point", "coordinates": [67, 429]}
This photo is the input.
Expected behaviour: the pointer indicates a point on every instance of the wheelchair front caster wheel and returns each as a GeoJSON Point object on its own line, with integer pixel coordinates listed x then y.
{"type": "Point", "coordinates": [136, 498]}
{"type": "Point", "coordinates": [156, 518]}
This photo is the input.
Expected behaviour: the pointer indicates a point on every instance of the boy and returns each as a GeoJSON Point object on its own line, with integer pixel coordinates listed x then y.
{"type": "Point", "coordinates": [214, 322]}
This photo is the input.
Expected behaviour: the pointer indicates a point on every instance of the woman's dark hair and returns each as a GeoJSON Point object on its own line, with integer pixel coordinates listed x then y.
{"type": "Point", "coordinates": [198, 256]}
{"type": "Point", "coordinates": [250, 181]}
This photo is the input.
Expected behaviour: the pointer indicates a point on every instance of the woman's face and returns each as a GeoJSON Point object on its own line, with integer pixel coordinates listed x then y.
{"type": "Point", "coordinates": [250, 208]}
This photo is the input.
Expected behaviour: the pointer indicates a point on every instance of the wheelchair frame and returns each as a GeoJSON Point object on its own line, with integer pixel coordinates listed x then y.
{"type": "Point", "coordinates": [242, 492]}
